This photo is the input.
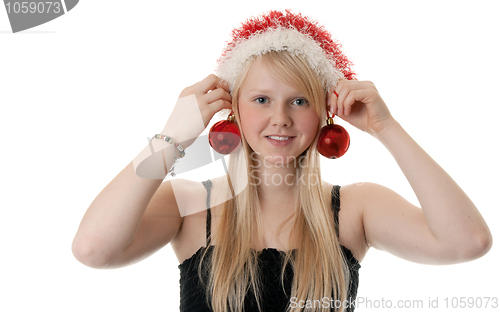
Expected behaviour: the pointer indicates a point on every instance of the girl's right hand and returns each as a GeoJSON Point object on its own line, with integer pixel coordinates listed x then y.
{"type": "Point", "coordinates": [195, 108]}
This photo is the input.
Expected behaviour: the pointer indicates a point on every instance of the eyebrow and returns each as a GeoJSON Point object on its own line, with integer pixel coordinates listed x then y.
{"type": "Point", "coordinates": [267, 91]}
{"type": "Point", "coordinates": [261, 90]}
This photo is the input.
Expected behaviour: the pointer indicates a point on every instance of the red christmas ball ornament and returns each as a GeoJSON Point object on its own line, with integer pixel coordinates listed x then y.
{"type": "Point", "coordinates": [224, 137]}
{"type": "Point", "coordinates": [333, 141]}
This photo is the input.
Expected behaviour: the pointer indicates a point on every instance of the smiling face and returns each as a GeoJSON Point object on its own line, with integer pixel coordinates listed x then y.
{"type": "Point", "coordinates": [278, 121]}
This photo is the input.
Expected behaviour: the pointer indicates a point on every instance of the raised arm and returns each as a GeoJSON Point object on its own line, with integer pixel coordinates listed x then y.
{"type": "Point", "coordinates": [448, 228]}
{"type": "Point", "coordinates": [135, 214]}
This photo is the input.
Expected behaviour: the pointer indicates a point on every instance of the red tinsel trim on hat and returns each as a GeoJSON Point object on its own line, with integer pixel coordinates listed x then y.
{"type": "Point", "coordinates": [274, 19]}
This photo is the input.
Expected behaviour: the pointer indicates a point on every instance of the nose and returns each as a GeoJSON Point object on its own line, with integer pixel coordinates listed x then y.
{"type": "Point", "coordinates": [281, 115]}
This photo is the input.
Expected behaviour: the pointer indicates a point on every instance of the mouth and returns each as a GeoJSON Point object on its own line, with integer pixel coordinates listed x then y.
{"type": "Point", "coordinates": [278, 140]}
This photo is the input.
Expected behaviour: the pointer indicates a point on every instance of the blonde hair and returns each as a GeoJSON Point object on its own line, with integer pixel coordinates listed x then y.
{"type": "Point", "coordinates": [318, 263]}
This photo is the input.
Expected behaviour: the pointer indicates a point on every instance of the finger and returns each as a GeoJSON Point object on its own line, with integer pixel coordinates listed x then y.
{"type": "Point", "coordinates": [216, 94]}
{"type": "Point", "coordinates": [219, 105]}
{"type": "Point", "coordinates": [344, 88]}
{"type": "Point", "coordinates": [223, 84]}
{"type": "Point", "coordinates": [207, 84]}
{"type": "Point", "coordinates": [341, 101]}
{"type": "Point", "coordinates": [338, 94]}
{"type": "Point", "coordinates": [331, 102]}
{"type": "Point", "coordinates": [349, 101]}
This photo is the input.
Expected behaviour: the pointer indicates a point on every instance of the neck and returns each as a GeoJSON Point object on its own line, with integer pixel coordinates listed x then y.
{"type": "Point", "coordinates": [276, 184]}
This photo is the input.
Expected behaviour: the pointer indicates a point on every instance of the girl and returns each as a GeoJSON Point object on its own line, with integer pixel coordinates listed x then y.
{"type": "Point", "coordinates": [271, 235]}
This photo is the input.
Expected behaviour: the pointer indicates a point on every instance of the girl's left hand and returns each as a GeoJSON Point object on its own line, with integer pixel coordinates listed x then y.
{"type": "Point", "coordinates": [360, 104]}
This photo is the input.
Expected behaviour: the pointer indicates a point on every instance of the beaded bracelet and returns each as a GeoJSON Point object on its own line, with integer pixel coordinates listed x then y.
{"type": "Point", "coordinates": [177, 145]}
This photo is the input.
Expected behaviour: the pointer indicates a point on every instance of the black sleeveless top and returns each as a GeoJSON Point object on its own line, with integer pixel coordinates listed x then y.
{"type": "Point", "coordinates": [192, 291]}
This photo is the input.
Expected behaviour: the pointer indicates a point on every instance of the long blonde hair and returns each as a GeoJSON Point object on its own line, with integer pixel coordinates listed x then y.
{"type": "Point", "coordinates": [318, 263]}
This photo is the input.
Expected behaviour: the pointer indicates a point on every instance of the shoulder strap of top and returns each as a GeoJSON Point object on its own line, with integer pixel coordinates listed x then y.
{"type": "Point", "coordinates": [336, 206]}
{"type": "Point", "coordinates": [208, 185]}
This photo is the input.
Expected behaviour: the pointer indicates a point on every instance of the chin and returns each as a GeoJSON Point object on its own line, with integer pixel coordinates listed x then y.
{"type": "Point", "coordinates": [279, 159]}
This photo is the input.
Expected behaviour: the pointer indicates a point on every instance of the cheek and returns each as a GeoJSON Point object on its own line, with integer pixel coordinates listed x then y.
{"type": "Point", "coordinates": [309, 125]}
{"type": "Point", "coordinates": [249, 119]}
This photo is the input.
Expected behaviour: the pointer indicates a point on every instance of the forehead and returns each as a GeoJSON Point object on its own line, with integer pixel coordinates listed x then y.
{"type": "Point", "coordinates": [261, 76]}
{"type": "Point", "coordinates": [258, 67]}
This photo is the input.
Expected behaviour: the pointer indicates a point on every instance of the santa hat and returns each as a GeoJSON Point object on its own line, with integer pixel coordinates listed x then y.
{"type": "Point", "coordinates": [285, 31]}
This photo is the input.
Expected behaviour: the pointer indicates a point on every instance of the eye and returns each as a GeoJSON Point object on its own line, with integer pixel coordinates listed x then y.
{"type": "Point", "coordinates": [300, 102]}
{"type": "Point", "coordinates": [261, 100]}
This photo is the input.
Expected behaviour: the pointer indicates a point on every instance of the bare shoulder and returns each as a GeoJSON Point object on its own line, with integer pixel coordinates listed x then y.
{"type": "Point", "coordinates": [359, 202]}
{"type": "Point", "coordinates": [351, 227]}
{"type": "Point", "coordinates": [191, 198]}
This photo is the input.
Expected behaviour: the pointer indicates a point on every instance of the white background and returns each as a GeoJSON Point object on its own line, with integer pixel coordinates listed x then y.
{"type": "Point", "coordinates": [80, 95]}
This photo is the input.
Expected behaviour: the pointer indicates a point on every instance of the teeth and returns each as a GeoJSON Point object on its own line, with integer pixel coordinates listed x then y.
{"type": "Point", "coordinates": [278, 138]}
